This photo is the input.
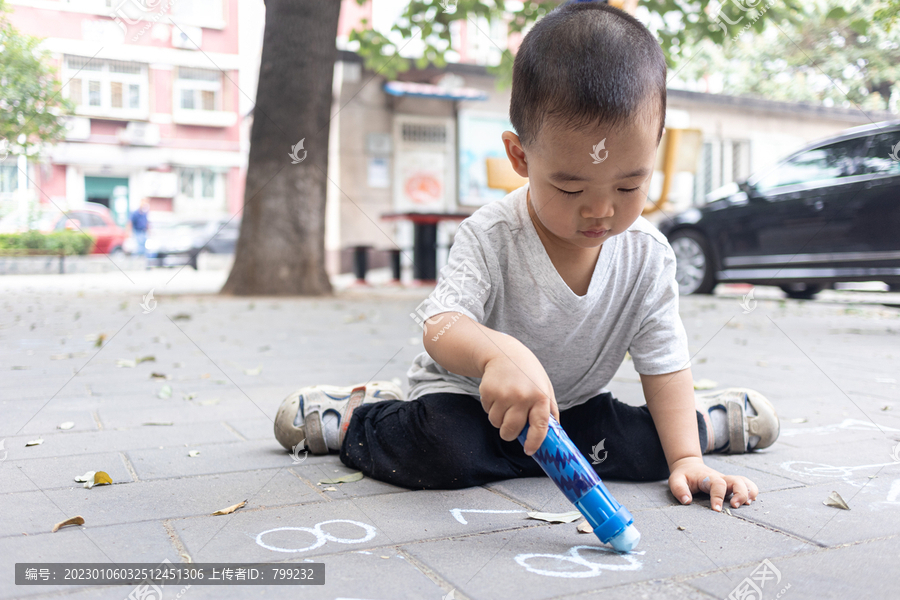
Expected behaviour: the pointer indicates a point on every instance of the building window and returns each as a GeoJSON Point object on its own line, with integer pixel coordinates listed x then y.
{"type": "Point", "coordinates": [114, 85]}
{"type": "Point", "coordinates": [198, 184]}
{"type": "Point", "coordinates": [9, 178]}
{"type": "Point", "coordinates": [198, 89]}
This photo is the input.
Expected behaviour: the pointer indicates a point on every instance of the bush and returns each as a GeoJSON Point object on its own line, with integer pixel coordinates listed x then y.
{"type": "Point", "coordinates": [35, 242]}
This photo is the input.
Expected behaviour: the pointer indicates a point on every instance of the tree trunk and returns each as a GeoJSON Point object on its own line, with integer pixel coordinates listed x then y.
{"type": "Point", "coordinates": [281, 248]}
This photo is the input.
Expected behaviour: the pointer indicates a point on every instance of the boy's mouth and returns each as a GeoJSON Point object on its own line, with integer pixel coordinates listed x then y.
{"type": "Point", "coordinates": [594, 233]}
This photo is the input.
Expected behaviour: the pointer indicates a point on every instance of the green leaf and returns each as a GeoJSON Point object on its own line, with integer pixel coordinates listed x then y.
{"type": "Point", "coordinates": [837, 13]}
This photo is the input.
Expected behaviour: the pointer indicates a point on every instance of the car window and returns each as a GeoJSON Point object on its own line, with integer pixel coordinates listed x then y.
{"type": "Point", "coordinates": [95, 220]}
{"type": "Point", "coordinates": [819, 164]}
{"type": "Point", "coordinates": [75, 216]}
{"type": "Point", "coordinates": [883, 155]}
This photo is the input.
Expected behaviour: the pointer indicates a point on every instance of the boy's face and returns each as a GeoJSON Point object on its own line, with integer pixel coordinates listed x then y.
{"type": "Point", "coordinates": [584, 192]}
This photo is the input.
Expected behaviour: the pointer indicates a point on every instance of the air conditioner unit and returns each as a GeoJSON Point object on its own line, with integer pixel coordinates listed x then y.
{"type": "Point", "coordinates": [138, 133]}
{"type": "Point", "coordinates": [187, 37]}
{"type": "Point", "coordinates": [78, 128]}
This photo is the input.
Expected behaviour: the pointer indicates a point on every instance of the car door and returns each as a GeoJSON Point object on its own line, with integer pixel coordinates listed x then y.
{"type": "Point", "coordinates": [789, 214]}
{"type": "Point", "coordinates": [876, 224]}
{"type": "Point", "coordinates": [101, 232]}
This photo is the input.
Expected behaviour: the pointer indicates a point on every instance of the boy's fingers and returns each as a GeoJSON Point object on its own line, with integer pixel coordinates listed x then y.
{"type": "Point", "coordinates": [538, 424]}
{"type": "Point", "coordinates": [740, 493]}
{"type": "Point", "coordinates": [679, 486]}
{"type": "Point", "coordinates": [718, 489]}
{"type": "Point", "coordinates": [513, 423]}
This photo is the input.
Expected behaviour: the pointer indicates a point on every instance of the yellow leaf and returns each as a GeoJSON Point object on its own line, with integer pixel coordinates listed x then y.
{"type": "Point", "coordinates": [705, 384]}
{"type": "Point", "coordinates": [350, 477]}
{"type": "Point", "coordinates": [73, 521]}
{"type": "Point", "coordinates": [585, 527]}
{"type": "Point", "coordinates": [566, 517]}
{"type": "Point", "coordinates": [230, 509]}
{"type": "Point", "coordinates": [100, 478]}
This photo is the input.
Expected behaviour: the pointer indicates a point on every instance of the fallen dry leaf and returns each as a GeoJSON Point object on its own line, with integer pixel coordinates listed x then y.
{"type": "Point", "coordinates": [330, 488]}
{"type": "Point", "coordinates": [681, 528]}
{"type": "Point", "coordinates": [149, 358]}
{"type": "Point", "coordinates": [66, 425]}
{"type": "Point", "coordinates": [73, 521]}
{"type": "Point", "coordinates": [158, 376]}
{"type": "Point", "coordinates": [727, 511]}
{"type": "Point", "coordinates": [350, 477]}
{"type": "Point", "coordinates": [182, 317]}
{"type": "Point", "coordinates": [100, 339]}
{"type": "Point", "coordinates": [705, 384]}
{"type": "Point", "coordinates": [230, 509]}
{"type": "Point", "coordinates": [99, 478]}
{"type": "Point", "coordinates": [190, 396]}
{"type": "Point", "coordinates": [164, 392]}
{"type": "Point", "coordinates": [126, 362]}
{"type": "Point", "coordinates": [566, 517]}
{"type": "Point", "coordinates": [835, 500]}
{"type": "Point", "coordinates": [36, 442]}
{"type": "Point", "coordinates": [585, 527]}
{"type": "Point", "coordinates": [194, 453]}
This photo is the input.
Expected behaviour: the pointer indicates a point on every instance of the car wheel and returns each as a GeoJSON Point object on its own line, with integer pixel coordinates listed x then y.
{"type": "Point", "coordinates": [801, 291]}
{"type": "Point", "coordinates": [693, 263]}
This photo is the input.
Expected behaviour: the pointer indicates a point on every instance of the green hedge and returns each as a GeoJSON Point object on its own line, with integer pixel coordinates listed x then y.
{"type": "Point", "coordinates": [35, 242]}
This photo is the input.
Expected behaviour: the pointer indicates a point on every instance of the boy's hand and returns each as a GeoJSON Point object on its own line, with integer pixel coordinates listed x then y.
{"type": "Point", "coordinates": [690, 475]}
{"type": "Point", "coordinates": [516, 390]}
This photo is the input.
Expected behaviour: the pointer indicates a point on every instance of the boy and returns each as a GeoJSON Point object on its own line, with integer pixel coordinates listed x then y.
{"type": "Point", "coordinates": [544, 293]}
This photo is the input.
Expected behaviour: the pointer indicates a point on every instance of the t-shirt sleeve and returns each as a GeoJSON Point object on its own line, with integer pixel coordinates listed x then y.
{"type": "Point", "coordinates": [463, 284]}
{"type": "Point", "coordinates": [660, 345]}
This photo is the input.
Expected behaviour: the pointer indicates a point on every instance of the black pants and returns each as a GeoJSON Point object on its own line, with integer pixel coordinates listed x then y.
{"type": "Point", "coordinates": [445, 441]}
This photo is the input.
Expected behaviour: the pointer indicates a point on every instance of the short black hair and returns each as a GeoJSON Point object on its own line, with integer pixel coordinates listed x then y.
{"type": "Point", "coordinates": [585, 63]}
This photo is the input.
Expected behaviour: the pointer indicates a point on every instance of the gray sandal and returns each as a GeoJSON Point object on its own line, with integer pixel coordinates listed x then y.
{"type": "Point", "coordinates": [299, 418]}
{"type": "Point", "coordinates": [742, 426]}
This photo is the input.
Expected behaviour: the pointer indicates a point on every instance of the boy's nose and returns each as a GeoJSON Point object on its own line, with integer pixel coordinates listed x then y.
{"type": "Point", "coordinates": [600, 209]}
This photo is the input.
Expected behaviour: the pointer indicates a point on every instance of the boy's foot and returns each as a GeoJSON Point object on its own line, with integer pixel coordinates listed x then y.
{"type": "Point", "coordinates": [317, 416]}
{"type": "Point", "coordinates": [738, 420]}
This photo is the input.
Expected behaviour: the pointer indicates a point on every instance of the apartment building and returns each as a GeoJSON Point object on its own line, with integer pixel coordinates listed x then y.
{"type": "Point", "coordinates": [158, 114]}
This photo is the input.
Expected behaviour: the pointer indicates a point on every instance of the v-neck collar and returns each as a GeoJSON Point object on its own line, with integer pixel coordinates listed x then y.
{"type": "Point", "coordinates": [551, 281]}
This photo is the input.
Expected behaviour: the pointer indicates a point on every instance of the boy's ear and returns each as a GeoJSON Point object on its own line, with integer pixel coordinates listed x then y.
{"type": "Point", "coordinates": [515, 153]}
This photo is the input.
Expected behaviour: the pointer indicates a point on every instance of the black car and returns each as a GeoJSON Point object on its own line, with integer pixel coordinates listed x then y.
{"type": "Point", "coordinates": [827, 213]}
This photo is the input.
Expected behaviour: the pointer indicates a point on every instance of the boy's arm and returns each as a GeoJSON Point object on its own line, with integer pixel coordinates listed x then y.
{"type": "Point", "coordinates": [515, 389]}
{"type": "Point", "coordinates": [670, 399]}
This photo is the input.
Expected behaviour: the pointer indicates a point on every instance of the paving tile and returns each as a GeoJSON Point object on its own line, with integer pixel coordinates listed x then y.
{"type": "Point", "coordinates": [135, 542]}
{"type": "Point", "coordinates": [555, 560]}
{"type": "Point", "coordinates": [864, 570]}
{"type": "Point", "coordinates": [193, 496]}
{"type": "Point", "coordinates": [383, 520]}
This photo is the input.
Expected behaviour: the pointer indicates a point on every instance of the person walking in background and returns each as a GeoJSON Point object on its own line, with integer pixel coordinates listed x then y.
{"type": "Point", "coordinates": [139, 223]}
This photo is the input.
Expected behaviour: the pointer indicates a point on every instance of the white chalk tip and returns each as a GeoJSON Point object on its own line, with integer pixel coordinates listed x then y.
{"type": "Point", "coordinates": [627, 540]}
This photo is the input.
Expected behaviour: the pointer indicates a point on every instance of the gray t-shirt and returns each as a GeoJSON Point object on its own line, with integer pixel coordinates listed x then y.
{"type": "Point", "coordinates": [500, 275]}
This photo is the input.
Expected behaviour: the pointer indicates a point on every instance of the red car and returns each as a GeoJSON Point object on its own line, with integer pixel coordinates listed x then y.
{"type": "Point", "coordinates": [95, 220]}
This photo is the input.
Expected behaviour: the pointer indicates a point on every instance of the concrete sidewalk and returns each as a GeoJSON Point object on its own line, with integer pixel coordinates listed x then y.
{"type": "Point", "coordinates": [831, 370]}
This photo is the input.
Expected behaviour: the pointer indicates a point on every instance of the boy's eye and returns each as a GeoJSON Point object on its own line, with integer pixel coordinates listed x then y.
{"type": "Point", "coordinates": [630, 191]}
{"type": "Point", "coordinates": [569, 193]}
